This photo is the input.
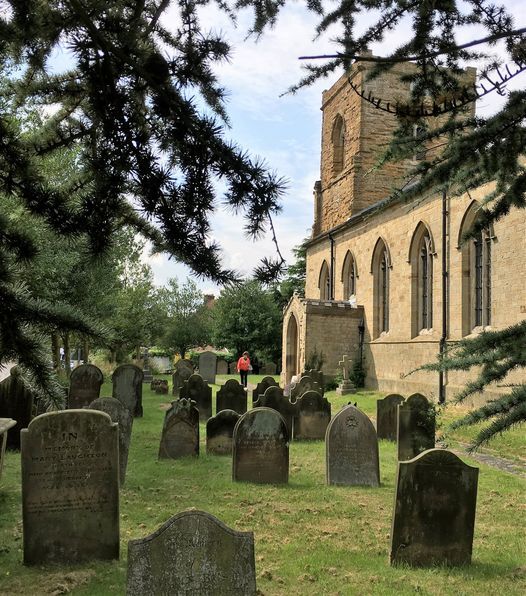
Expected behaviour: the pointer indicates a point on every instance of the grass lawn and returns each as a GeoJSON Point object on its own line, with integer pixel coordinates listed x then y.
{"type": "Point", "coordinates": [310, 538]}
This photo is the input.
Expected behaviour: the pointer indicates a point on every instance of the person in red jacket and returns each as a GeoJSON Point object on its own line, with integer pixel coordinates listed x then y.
{"type": "Point", "coordinates": [243, 367]}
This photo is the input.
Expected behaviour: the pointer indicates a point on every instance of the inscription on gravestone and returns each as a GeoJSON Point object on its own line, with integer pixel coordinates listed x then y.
{"type": "Point", "coordinates": [180, 434]}
{"type": "Point", "coordinates": [193, 553]}
{"type": "Point", "coordinates": [416, 427]}
{"type": "Point", "coordinates": [70, 488]}
{"type": "Point", "coordinates": [386, 414]}
{"type": "Point", "coordinates": [232, 396]}
{"type": "Point", "coordinates": [199, 391]}
{"type": "Point", "coordinates": [207, 366]}
{"type": "Point", "coordinates": [261, 448]}
{"type": "Point", "coordinates": [434, 515]}
{"type": "Point", "coordinates": [127, 387]}
{"type": "Point", "coordinates": [16, 402]}
{"type": "Point", "coordinates": [219, 432]}
{"type": "Point", "coordinates": [84, 385]}
{"type": "Point", "coordinates": [352, 449]}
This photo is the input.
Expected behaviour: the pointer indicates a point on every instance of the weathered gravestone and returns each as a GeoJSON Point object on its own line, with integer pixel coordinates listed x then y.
{"type": "Point", "coordinates": [317, 377]}
{"type": "Point", "coordinates": [386, 415]}
{"type": "Point", "coordinates": [161, 387]}
{"type": "Point", "coordinates": [70, 488]}
{"type": "Point", "coordinates": [5, 425]}
{"type": "Point", "coordinates": [313, 417]}
{"type": "Point", "coordinates": [180, 434]}
{"type": "Point", "coordinates": [352, 449]}
{"type": "Point", "coordinates": [416, 427]}
{"type": "Point", "coordinates": [222, 367]}
{"type": "Point", "coordinates": [219, 432]}
{"type": "Point", "coordinates": [304, 384]}
{"type": "Point", "coordinates": [434, 513]}
{"type": "Point", "coordinates": [199, 391]}
{"type": "Point", "coordinates": [274, 398]}
{"type": "Point", "coordinates": [232, 396]}
{"type": "Point", "coordinates": [261, 448]}
{"type": "Point", "coordinates": [16, 402]}
{"type": "Point", "coordinates": [184, 369]}
{"type": "Point", "coordinates": [84, 385]}
{"type": "Point", "coordinates": [232, 368]}
{"type": "Point", "coordinates": [120, 414]}
{"type": "Point", "coordinates": [261, 387]}
{"type": "Point", "coordinates": [127, 387]}
{"type": "Point", "coordinates": [193, 553]}
{"type": "Point", "coordinates": [207, 366]}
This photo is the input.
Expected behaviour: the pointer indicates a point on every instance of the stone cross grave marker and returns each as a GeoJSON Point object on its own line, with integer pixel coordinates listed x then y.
{"type": "Point", "coordinates": [208, 366]}
{"type": "Point", "coordinates": [313, 417]}
{"type": "Point", "coordinates": [386, 415]}
{"type": "Point", "coordinates": [219, 432]}
{"type": "Point", "coordinates": [261, 448]}
{"type": "Point", "coordinates": [261, 387]}
{"type": "Point", "coordinates": [16, 402]}
{"type": "Point", "coordinates": [352, 449]}
{"type": "Point", "coordinates": [434, 513]}
{"type": "Point", "coordinates": [127, 387]}
{"type": "Point", "coordinates": [197, 389]}
{"type": "Point", "coordinates": [70, 488]}
{"type": "Point", "coordinates": [345, 387]}
{"type": "Point", "coordinates": [184, 369]}
{"type": "Point", "coordinates": [415, 427]}
{"type": "Point", "coordinates": [5, 425]}
{"type": "Point", "coordinates": [84, 385]}
{"type": "Point", "coordinates": [192, 553]}
{"type": "Point", "coordinates": [180, 434]}
{"type": "Point", "coordinates": [274, 398]}
{"type": "Point", "coordinates": [232, 396]}
{"type": "Point", "coordinates": [120, 414]}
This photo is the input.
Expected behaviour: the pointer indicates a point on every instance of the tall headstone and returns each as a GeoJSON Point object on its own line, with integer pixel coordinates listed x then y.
{"type": "Point", "coordinates": [208, 366]}
{"type": "Point", "coordinates": [304, 384]}
{"type": "Point", "coordinates": [180, 434]}
{"type": "Point", "coordinates": [199, 391]}
{"type": "Point", "coordinates": [352, 449]}
{"type": "Point", "coordinates": [313, 417]}
{"type": "Point", "coordinates": [415, 427]}
{"type": "Point", "coordinates": [16, 402]}
{"type": "Point", "coordinates": [219, 432]}
{"type": "Point", "coordinates": [434, 513]}
{"type": "Point", "coordinates": [274, 398]}
{"type": "Point", "coordinates": [84, 385]}
{"type": "Point", "coordinates": [192, 553]}
{"type": "Point", "coordinates": [386, 414]}
{"type": "Point", "coordinates": [120, 414]}
{"type": "Point", "coordinates": [232, 396]}
{"type": "Point", "coordinates": [261, 387]}
{"type": "Point", "coordinates": [5, 425]}
{"type": "Point", "coordinates": [222, 367]}
{"type": "Point", "coordinates": [184, 369]}
{"type": "Point", "coordinates": [261, 448]}
{"type": "Point", "coordinates": [127, 387]}
{"type": "Point", "coordinates": [70, 488]}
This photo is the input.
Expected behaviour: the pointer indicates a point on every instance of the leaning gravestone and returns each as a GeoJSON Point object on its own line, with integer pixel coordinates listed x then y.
{"type": "Point", "coordinates": [192, 553]}
{"type": "Point", "coordinates": [207, 366]}
{"type": "Point", "coordinates": [16, 402]}
{"type": "Point", "coordinates": [313, 417]}
{"type": "Point", "coordinates": [261, 448]}
{"type": "Point", "coordinates": [274, 398]}
{"type": "Point", "coordinates": [352, 449]}
{"type": "Point", "coordinates": [416, 427]}
{"type": "Point", "coordinates": [434, 515]}
{"type": "Point", "coordinates": [70, 488]}
{"type": "Point", "coordinates": [219, 432]}
{"type": "Point", "coordinates": [386, 414]}
{"type": "Point", "coordinates": [199, 391]}
{"type": "Point", "coordinates": [232, 396]}
{"type": "Point", "coordinates": [127, 387]}
{"type": "Point", "coordinates": [261, 387]}
{"type": "Point", "coordinates": [180, 434]}
{"type": "Point", "coordinates": [120, 414]}
{"type": "Point", "coordinates": [84, 385]}
{"type": "Point", "coordinates": [304, 384]}
{"type": "Point", "coordinates": [5, 425]}
{"type": "Point", "coordinates": [222, 367]}
{"type": "Point", "coordinates": [184, 369]}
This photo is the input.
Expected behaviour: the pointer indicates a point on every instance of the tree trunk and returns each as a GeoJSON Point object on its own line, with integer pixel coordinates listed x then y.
{"type": "Point", "coordinates": [113, 355]}
{"type": "Point", "coordinates": [55, 350]}
{"type": "Point", "coordinates": [85, 347]}
{"type": "Point", "coordinates": [67, 354]}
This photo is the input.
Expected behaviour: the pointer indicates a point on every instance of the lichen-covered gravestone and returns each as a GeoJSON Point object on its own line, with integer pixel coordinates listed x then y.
{"type": "Point", "coordinates": [193, 553]}
{"type": "Point", "coordinates": [434, 513]}
{"type": "Point", "coordinates": [5, 425]}
{"type": "Point", "coordinates": [184, 369]}
{"type": "Point", "coordinates": [120, 414]}
{"type": "Point", "coordinates": [304, 384]}
{"type": "Point", "coordinates": [313, 417]}
{"type": "Point", "coordinates": [84, 385]}
{"type": "Point", "coordinates": [127, 387]}
{"type": "Point", "coordinates": [416, 427]}
{"type": "Point", "coordinates": [386, 414]}
{"type": "Point", "coordinates": [208, 366]}
{"type": "Point", "coordinates": [261, 448]}
{"type": "Point", "coordinates": [232, 396]}
{"type": "Point", "coordinates": [70, 488]}
{"type": "Point", "coordinates": [180, 434]}
{"type": "Point", "coordinates": [274, 398]}
{"type": "Point", "coordinates": [261, 387]}
{"type": "Point", "coordinates": [197, 389]}
{"type": "Point", "coordinates": [352, 449]}
{"type": "Point", "coordinates": [219, 432]}
{"type": "Point", "coordinates": [16, 402]}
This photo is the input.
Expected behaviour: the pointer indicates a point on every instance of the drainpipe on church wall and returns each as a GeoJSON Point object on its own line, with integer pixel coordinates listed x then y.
{"type": "Point", "coordinates": [331, 269]}
{"type": "Point", "coordinates": [445, 274]}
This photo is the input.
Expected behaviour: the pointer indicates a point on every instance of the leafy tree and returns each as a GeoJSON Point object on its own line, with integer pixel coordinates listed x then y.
{"type": "Point", "coordinates": [294, 276]}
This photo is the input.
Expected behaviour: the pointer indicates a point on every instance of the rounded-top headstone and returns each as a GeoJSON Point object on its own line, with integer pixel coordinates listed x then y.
{"type": "Point", "coordinates": [232, 396]}
{"type": "Point", "coordinates": [220, 431]}
{"type": "Point", "coordinates": [180, 434]}
{"type": "Point", "coordinates": [84, 385]}
{"type": "Point", "coordinates": [127, 387]}
{"type": "Point", "coordinates": [415, 427]}
{"type": "Point", "coordinates": [198, 390]}
{"type": "Point", "coordinates": [314, 414]}
{"type": "Point", "coordinates": [386, 415]}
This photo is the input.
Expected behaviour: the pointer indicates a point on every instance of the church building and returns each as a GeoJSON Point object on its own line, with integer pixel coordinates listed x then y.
{"type": "Point", "coordinates": [390, 284]}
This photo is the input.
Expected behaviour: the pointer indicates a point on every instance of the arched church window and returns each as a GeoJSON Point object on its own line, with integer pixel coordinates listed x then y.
{"type": "Point", "coordinates": [324, 282]}
{"type": "Point", "coordinates": [421, 260]}
{"type": "Point", "coordinates": [338, 144]}
{"type": "Point", "coordinates": [349, 275]}
{"type": "Point", "coordinates": [381, 265]}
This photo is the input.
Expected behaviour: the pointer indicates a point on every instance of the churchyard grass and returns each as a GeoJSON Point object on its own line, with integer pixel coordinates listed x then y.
{"type": "Point", "coordinates": [310, 538]}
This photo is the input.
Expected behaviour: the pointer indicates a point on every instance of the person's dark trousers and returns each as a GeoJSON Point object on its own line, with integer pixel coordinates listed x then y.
{"type": "Point", "coordinates": [244, 377]}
